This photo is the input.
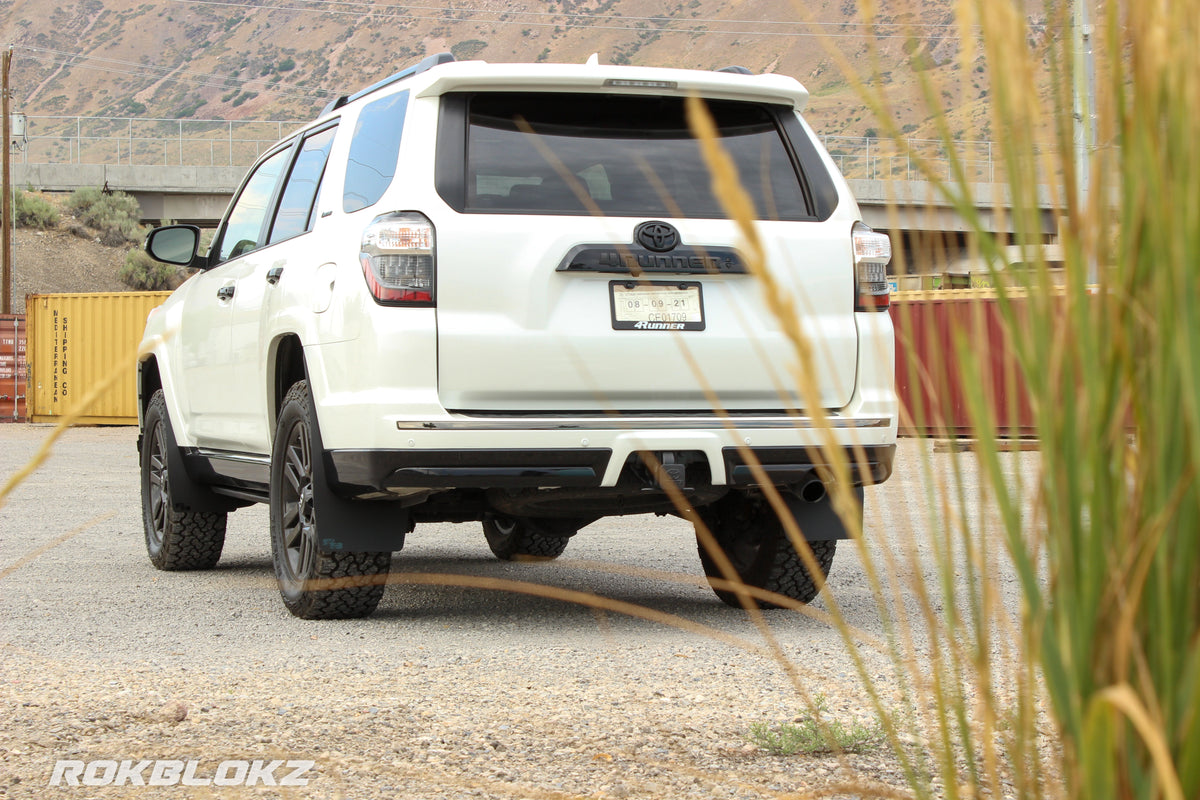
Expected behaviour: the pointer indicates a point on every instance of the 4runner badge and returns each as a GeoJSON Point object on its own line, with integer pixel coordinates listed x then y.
{"type": "Point", "coordinates": [659, 326]}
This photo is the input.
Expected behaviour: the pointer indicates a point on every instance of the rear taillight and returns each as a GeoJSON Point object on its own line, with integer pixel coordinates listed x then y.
{"type": "Point", "coordinates": [872, 252]}
{"type": "Point", "coordinates": [397, 256]}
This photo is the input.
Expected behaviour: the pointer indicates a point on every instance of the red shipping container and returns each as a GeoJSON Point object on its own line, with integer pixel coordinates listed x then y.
{"type": "Point", "coordinates": [930, 377]}
{"type": "Point", "coordinates": [13, 368]}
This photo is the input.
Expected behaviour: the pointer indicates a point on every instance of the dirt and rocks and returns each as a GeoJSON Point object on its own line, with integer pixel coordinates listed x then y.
{"type": "Point", "coordinates": [448, 691]}
{"type": "Point", "coordinates": [57, 261]}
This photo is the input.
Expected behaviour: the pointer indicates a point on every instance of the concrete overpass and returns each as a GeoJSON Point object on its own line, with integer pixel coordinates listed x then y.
{"type": "Point", "coordinates": [200, 194]}
{"type": "Point", "coordinates": [197, 195]}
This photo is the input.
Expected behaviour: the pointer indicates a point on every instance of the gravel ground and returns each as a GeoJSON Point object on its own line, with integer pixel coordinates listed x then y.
{"type": "Point", "coordinates": [446, 691]}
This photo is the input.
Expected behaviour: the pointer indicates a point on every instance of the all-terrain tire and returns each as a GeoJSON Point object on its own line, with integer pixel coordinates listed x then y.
{"type": "Point", "coordinates": [175, 539]}
{"type": "Point", "coordinates": [519, 539]}
{"type": "Point", "coordinates": [314, 583]}
{"type": "Point", "coordinates": [755, 542]}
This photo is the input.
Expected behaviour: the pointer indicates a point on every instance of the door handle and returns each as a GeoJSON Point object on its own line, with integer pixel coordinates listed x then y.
{"type": "Point", "coordinates": [273, 275]}
{"type": "Point", "coordinates": [225, 293]}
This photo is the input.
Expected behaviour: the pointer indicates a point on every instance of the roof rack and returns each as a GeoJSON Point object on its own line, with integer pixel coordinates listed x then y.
{"type": "Point", "coordinates": [425, 64]}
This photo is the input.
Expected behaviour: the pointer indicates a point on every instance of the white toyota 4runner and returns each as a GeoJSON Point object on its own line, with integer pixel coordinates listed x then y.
{"type": "Point", "coordinates": [506, 293]}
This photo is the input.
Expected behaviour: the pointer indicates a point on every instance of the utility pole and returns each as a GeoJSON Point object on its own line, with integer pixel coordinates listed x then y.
{"type": "Point", "coordinates": [1084, 73]}
{"type": "Point", "coordinates": [6, 265]}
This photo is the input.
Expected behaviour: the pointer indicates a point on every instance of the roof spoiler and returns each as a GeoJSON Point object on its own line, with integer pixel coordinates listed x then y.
{"type": "Point", "coordinates": [424, 65]}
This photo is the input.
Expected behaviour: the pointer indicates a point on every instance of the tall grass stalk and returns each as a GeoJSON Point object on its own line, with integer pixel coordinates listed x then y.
{"type": "Point", "coordinates": [1094, 690]}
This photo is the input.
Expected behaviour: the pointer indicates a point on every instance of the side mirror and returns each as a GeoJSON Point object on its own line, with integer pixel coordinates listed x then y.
{"type": "Point", "coordinates": [174, 244]}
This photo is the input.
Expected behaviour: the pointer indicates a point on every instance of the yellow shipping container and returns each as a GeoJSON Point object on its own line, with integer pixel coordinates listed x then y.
{"type": "Point", "coordinates": [78, 340]}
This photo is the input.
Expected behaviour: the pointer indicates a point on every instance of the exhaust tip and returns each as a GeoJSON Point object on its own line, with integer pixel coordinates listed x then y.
{"type": "Point", "coordinates": [812, 491]}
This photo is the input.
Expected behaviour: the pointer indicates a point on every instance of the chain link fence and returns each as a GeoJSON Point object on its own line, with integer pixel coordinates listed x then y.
{"type": "Point", "coordinates": [230, 143]}
{"type": "Point", "coordinates": [148, 142]}
{"type": "Point", "coordinates": [868, 158]}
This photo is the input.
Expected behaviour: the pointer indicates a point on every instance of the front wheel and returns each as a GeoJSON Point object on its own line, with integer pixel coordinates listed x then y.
{"type": "Point", "coordinates": [175, 539]}
{"type": "Point", "coordinates": [314, 584]}
{"type": "Point", "coordinates": [753, 538]}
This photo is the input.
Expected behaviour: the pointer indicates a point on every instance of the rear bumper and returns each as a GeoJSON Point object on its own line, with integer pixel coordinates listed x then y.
{"type": "Point", "coordinates": [363, 471]}
{"type": "Point", "coordinates": [788, 465]}
{"type": "Point", "coordinates": [369, 471]}
{"type": "Point", "coordinates": [646, 423]}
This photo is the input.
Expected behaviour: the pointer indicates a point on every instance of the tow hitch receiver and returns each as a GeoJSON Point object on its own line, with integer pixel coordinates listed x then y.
{"type": "Point", "coordinates": [670, 472]}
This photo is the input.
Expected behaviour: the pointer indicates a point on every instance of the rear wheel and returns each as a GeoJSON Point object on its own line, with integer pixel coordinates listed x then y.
{"type": "Point", "coordinates": [175, 539]}
{"type": "Point", "coordinates": [314, 584]}
{"type": "Point", "coordinates": [522, 539]}
{"type": "Point", "coordinates": [754, 540]}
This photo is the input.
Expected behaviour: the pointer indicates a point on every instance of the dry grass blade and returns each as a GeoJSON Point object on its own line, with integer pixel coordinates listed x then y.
{"type": "Point", "coordinates": [68, 419]}
{"type": "Point", "coordinates": [1125, 700]}
{"type": "Point", "coordinates": [53, 543]}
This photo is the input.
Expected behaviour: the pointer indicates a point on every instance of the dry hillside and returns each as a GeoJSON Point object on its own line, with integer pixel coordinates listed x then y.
{"type": "Point", "coordinates": [247, 59]}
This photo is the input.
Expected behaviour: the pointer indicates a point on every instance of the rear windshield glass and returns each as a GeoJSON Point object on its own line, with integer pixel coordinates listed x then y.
{"type": "Point", "coordinates": [619, 155]}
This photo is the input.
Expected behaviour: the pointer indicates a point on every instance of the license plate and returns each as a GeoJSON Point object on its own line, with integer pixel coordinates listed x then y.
{"type": "Point", "coordinates": [656, 306]}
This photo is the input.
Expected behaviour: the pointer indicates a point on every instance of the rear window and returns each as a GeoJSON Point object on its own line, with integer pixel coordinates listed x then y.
{"type": "Point", "coordinates": [374, 149]}
{"type": "Point", "coordinates": [620, 155]}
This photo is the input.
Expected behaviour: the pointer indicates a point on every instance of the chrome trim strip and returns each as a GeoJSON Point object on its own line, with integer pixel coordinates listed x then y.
{"type": "Point", "coordinates": [229, 455]}
{"type": "Point", "coordinates": [631, 423]}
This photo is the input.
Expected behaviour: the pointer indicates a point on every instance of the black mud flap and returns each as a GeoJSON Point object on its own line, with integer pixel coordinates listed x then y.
{"type": "Point", "coordinates": [818, 521]}
{"type": "Point", "coordinates": [187, 494]}
{"type": "Point", "coordinates": [354, 526]}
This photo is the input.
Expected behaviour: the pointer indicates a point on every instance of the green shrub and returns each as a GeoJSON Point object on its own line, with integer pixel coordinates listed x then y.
{"type": "Point", "coordinates": [468, 49]}
{"type": "Point", "coordinates": [79, 230]}
{"type": "Point", "coordinates": [140, 271]}
{"type": "Point", "coordinates": [115, 215]}
{"type": "Point", "coordinates": [815, 732]}
{"type": "Point", "coordinates": [33, 211]}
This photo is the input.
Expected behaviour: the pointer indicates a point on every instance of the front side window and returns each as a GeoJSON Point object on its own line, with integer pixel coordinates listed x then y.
{"type": "Point", "coordinates": [244, 227]}
{"type": "Point", "coordinates": [295, 215]}
{"type": "Point", "coordinates": [620, 155]}
{"type": "Point", "coordinates": [374, 150]}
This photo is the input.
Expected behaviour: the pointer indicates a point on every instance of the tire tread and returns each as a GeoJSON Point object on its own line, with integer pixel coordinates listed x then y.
{"type": "Point", "coordinates": [525, 543]}
{"type": "Point", "coordinates": [353, 585]}
{"type": "Point", "coordinates": [342, 585]}
{"type": "Point", "coordinates": [755, 541]}
{"type": "Point", "coordinates": [193, 540]}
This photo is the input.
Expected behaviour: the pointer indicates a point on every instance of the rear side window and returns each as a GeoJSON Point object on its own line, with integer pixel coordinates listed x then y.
{"type": "Point", "coordinates": [374, 149]}
{"type": "Point", "coordinates": [300, 192]}
{"type": "Point", "coordinates": [620, 155]}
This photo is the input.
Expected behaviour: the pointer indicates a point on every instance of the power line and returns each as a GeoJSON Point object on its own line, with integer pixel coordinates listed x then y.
{"type": "Point", "coordinates": [639, 26]}
{"type": "Point", "coordinates": [570, 14]}
{"type": "Point", "coordinates": [152, 72]}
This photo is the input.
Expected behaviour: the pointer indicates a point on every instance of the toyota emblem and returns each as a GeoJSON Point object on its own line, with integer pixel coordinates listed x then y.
{"type": "Point", "coordinates": [656, 236]}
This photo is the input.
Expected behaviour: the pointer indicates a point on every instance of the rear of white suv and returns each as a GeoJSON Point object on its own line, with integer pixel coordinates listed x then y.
{"type": "Point", "coordinates": [512, 297]}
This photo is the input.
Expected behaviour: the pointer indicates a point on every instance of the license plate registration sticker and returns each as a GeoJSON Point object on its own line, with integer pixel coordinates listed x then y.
{"type": "Point", "coordinates": [656, 306]}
